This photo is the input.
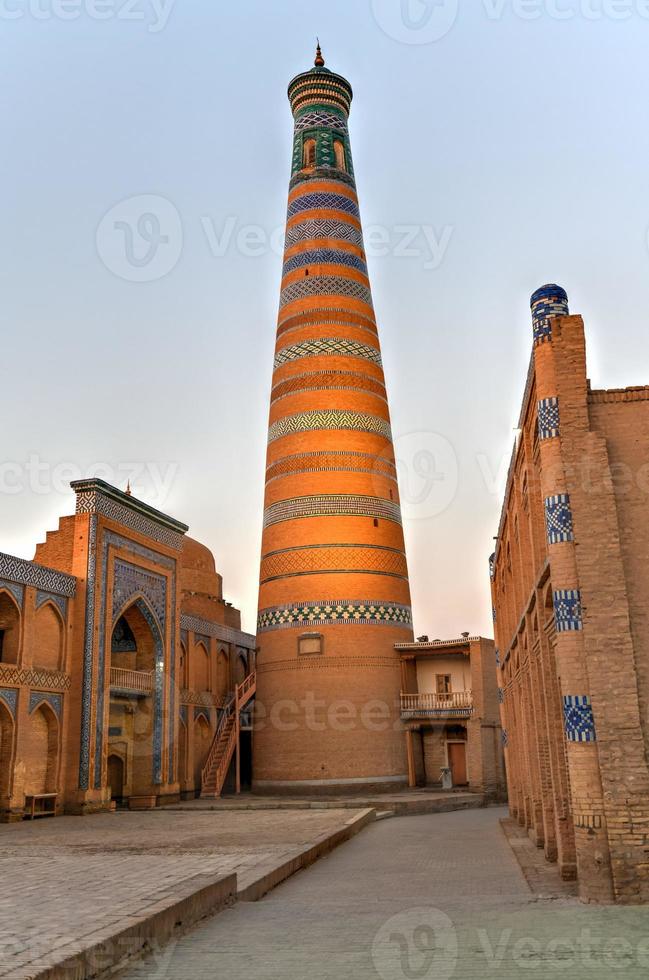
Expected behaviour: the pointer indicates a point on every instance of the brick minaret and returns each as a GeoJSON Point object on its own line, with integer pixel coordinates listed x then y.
{"type": "Point", "coordinates": [334, 595]}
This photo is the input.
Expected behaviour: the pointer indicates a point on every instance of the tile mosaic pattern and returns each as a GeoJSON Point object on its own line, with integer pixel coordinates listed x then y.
{"type": "Point", "coordinates": [334, 612]}
{"type": "Point", "coordinates": [547, 302]}
{"type": "Point", "coordinates": [331, 461]}
{"type": "Point", "coordinates": [332, 505]}
{"type": "Point", "coordinates": [95, 502]}
{"type": "Point", "coordinates": [324, 256]}
{"type": "Point", "coordinates": [88, 655]}
{"type": "Point", "coordinates": [35, 677]}
{"type": "Point", "coordinates": [505, 738]}
{"type": "Point", "coordinates": [202, 713]}
{"type": "Point", "coordinates": [59, 601]}
{"type": "Point", "coordinates": [55, 701]}
{"type": "Point", "coordinates": [10, 697]}
{"type": "Point", "coordinates": [329, 420]}
{"type": "Point", "coordinates": [549, 418]}
{"type": "Point", "coordinates": [22, 572]}
{"type": "Point", "coordinates": [558, 518]}
{"type": "Point", "coordinates": [328, 347]}
{"type": "Point", "coordinates": [130, 580]}
{"type": "Point", "coordinates": [328, 381]}
{"type": "Point", "coordinates": [319, 316]}
{"type": "Point", "coordinates": [568, 610]}
{"type": "Point", "coordinates": [325, 286]}
{"type": "Point", "coordinates": [17, 591]}
{"type": "Point", "coordinates": [183, 714]}
{"type": "Point", "coordinates": [334, 559]}
{"type": "Point", "coordinates": [579, 719]}
{"type": "Point", "coordinates": [314, 229]}
{"type": "Point", "coordinates": [501, 695]}
{"type": "Point", "coordinates": [318, 118]}
{"type": "Point", "coordinates": [195, 624]}
{"type": "Point", "coordinates": [323, 200]}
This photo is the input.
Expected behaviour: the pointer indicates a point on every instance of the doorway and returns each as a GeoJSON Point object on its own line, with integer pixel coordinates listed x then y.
{"type": "Point", "coordinates": [116, 778]}
{"type": "Point", "coordinates": [457, 762]}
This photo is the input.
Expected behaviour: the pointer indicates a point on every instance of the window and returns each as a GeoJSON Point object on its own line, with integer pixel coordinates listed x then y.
{"type": "Point", "coordinates": [444, 685]}
{"type": "Point", "coordinates": [309, 153]}
{"type": "Point", "coordinates": [310, 644]}
{"type": "Point", "coordinates": [339, 153]}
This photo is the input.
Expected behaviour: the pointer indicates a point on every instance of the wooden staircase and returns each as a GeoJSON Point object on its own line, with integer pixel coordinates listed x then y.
{"type": "Point", "coordinates": [226, 741]}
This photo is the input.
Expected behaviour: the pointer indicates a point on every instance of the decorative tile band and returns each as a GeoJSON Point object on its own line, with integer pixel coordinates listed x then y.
{"type": "Point", "coordinates": [10, 697]}
{"type": "Point", "coordinates": [140, 518]}
{"type": "Point", "coordinates": [329, 420]}
{"type": "Point", "coordinates": [328, 347]}
{"type": "Point", "coordinates": [332, 505]}
{"type": "Point", "coordinates": [17, 591]}
{"type": "Point", "coordinates": [558, 518]}
{"type": "Point", "coordinates": [323, 201]}
{"type": "Point", "coordinates": [501, 695]}
{"type": "Point", "coordinates": [335, 461]}
{"type": "Point", "coordinates": [319, 118]}
{"type": "Point", "coordinates": [327, 229]}
{"type": "Point", "coordinates": [497, 652]}
{"type": "Point", "coordinates": [337, 559]}
{"type": "Point", "coordinates": [568, 610]}
{"type": "Point", "coordinates": [578, 718]}
{"type": "Point", "coordinates": [334, 612]}
{"type": "Point", "coordinates": [325, 286]}
{"type": "Point", "coordinates": [130, 580]}
{"type": "Point", "coordinates": [324, 256]}
{"type": "Point", "coordinates": [547, 302]}
{"type": "Point", "coordinates": [37, 698]}
{"type": "Point", "coordinates": [227, 634]}
{"type": "Point", "coordinates": [328, 381]}
{"type": "Point", "coordinates": [549, 419]}
{"type": "Point", "coordinates": [34, 677]}
{"type": "Point", "coordinates": [317, 316]}
{"type": "Point", "coordinates": [505, 738]}
{"type": "Point", "coordinates": [23, 572]}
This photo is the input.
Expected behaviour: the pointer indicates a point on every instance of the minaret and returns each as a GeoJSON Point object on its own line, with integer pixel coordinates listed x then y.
{"type": "Point", "coordinates": [334, 595]}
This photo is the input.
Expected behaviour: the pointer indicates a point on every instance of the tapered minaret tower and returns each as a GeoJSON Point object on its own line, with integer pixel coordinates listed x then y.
{"type": "Point", "coordinates": [334, 595]}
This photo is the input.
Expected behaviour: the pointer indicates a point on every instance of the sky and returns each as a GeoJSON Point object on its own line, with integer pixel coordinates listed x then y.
{"type": "Point", "coordinates": [497, 145]}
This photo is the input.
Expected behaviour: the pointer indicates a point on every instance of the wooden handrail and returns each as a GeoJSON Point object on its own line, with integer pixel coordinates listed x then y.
{"type": "Point", "coordinates": [132, 680]}
{"type": "Point", "coordinates": [456, 700]}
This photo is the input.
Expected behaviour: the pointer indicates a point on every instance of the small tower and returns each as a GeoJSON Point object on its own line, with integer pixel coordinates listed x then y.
{"type": "Point", "coordinates": [334, 595]}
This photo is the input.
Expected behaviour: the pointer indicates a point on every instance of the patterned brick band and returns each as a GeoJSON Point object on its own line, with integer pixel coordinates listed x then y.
{"type": "Point", "coordinates": [328, 229]}
{"type": "Point", "coordinates": [334, 612]}
{"type": "Point", "coordinates": [325, 286]}
{"type": "Point", "coordinates": [331, 505]}
{"type": "Point", "coordinates": [549, 419]}
{"type": "Point", "coordinates": [339, 559]}
{"type": "Point", "coordinates": [323, 201]}
{"type": "Point", "coordinates": [332, 462]}
{"type": "Point", "coordinates": [324, 256]}
{"type": "Point", "coordinates": [328, 347]}
{"type": "Point", "coordinates": [558, 519]}
{"type": "Point", "coordinates": [328, 380]}
{"type": "Point", "coordinates": [318, 315]}
{"type": "Point", "coordinates": [328, 420]}
{"type": "Point", "coordinates": [578, 718]}
{"type": "Point", "coordinates": [568, 610]}
{"type": "Point", "coordinates": [319, 118]}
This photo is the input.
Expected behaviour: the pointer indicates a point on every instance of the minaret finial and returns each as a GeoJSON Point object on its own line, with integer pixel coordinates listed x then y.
{"type": "Point", "coordinates": [128, 488]}
{"type": "Point", "coordinates": [319, 60]}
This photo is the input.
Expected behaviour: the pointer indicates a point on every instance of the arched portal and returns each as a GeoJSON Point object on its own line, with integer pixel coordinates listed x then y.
{"type": "Point", "coordinates": [9, 629]}
{"type": "Point", "coordinates": [6, 753]}
{"type": "Point", "coordinates": [202, 742]}
{"type": "Point", "coordinates": [240, 670]}
{"type": "Point", "coordinates": [42, 751]}
{"type": "Point", "coordinates": [182, 753]}
{"type": "Point", "coordinates": [48, 648]}
{"type": "Point", "coordinates": [116, 779]}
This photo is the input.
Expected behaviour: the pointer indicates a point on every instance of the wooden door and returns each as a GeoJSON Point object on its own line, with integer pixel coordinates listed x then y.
{"type": "Point", "coordinates": [457, 762]}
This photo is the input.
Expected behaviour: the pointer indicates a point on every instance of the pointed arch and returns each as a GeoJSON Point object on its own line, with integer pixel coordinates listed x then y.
{"type": "Point", "coordinates": [49, 636]}
{"type": "Point", "coordinates": [10, 627]}
{"type": "Point", "coordinates": [202, 671]}
{"type": "Point", "coordinates": [42, 750]}
{"type": "Point", "coordinates": [7, 730]}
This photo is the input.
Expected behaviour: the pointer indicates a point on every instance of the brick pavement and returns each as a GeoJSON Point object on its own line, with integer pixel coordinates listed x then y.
{"type": "Point", "coordinates": [67, 879]}
{"type": "Point", "coordinates": [439, 896]}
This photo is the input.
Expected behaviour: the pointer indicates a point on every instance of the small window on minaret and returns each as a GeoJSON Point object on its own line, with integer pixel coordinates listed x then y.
{"type": "Point", "coordinates": [309, 153]}
{"type": "Point", "coordinates": [339, 152]}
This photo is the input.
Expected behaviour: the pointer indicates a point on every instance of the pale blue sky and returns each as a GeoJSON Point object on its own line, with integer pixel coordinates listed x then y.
{"type": "Point", "coordinates": [519, 145]}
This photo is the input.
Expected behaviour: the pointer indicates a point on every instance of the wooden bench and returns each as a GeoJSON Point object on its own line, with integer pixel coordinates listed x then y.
{"type": "Point", "coordinates": [40, 805]}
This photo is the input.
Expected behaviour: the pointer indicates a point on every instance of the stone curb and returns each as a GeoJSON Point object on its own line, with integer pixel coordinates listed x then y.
{"type": "Point", "coordinates": [93, 955]}
{"type": "Point", "coordinates": [322, 845]}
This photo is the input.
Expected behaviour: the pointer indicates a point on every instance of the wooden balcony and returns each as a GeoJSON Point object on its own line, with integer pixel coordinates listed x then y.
{"type": "Point", "coordinates": [459, 704]}
{"type": "Point", "coordinates": [136, 682]}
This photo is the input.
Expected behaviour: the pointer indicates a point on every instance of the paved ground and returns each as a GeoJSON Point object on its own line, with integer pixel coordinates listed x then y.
{"type": "Point", "coordinates": [411, 898]}
{"type": "Point", "coordinates": [67, 878]}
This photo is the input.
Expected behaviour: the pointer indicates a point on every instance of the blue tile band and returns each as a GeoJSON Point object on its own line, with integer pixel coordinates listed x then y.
{"type": "Point", "coordinates": [567, 610]}
{"type": "Point", "coordinates": [558, 519]}
{"type": "Point", "coordinates": [578, 718]}
{"type": "Point", "coordinates": [547, 302]}
{"type": "Point", "coordinates": [549, 418]}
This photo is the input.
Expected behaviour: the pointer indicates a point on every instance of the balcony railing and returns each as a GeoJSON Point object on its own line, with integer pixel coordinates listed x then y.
{"type": "Point", "coordinates": [459, 704]}
{"type": "Point", "coordinates": [133, 681]}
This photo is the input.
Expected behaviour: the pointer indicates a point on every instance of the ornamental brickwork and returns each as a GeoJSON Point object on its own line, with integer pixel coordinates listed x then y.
{"type": "Point", "coordinates": [570, 593]}
{"type": "Point", "coordinates": [334, 592]}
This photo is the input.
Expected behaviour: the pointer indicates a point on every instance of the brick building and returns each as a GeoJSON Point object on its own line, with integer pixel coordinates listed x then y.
{"type": "Point", "coordinates": [450, 710]}
{"type": "Point", "coordinates": [334, 596]}
{"type": "Point", "coordinates": [118, 656]}
{"type": "Point", "coordinates": [570, 585]}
